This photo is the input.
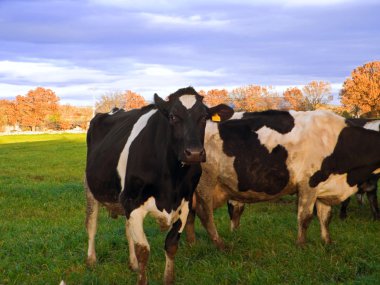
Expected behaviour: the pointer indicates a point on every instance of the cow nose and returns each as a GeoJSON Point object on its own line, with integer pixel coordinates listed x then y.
{"type": "Point", "coordinates": [195, 155]}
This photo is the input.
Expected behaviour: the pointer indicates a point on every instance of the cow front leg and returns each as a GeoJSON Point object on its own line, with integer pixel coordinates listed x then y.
{"type": "Point", "coordinates": [205, 212]}
{"type": "Point", "coordinates": [306, 203]}
{"type": "Point", "coordinates": [235, 210]}
{"type": "Point", "coordinates": [133, 263]}
{"type": "Point", "coordinates": [92, 210]}
{"type": "Point", "coordinates": [324, 216]}
{"type": "Point", "coordinates": [136, 236]}
{"type": "Point", "coordinates": [372, 198]}
{"type": "Point", "coordinates": [343, 208]}
{"type": "Point", "coordinates": [171, 243]}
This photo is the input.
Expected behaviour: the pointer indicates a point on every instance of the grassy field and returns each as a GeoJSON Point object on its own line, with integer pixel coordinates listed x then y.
{"type": "Point", "coordinates": [43, 238]}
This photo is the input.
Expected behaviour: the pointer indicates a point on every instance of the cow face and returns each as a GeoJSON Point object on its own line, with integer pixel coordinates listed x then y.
{"type": "Point", "coordinates": [187, 116]}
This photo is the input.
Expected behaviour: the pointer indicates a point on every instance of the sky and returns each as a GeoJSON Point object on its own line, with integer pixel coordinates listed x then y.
{"type": "Point", "coordinates": [85, 49]}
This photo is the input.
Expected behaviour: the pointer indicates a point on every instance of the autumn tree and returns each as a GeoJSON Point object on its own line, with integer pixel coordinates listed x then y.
{"type": "Point", "coordinates": [361, 91]}
{"type": "Point", "coordinates": [133, 100]}
{"type": "Point", "coordinates": [109, 101]}
{"type": "Point", "coordinates": [254, 98]}
{"type": "Point", "coordinates": [215, 97]}
{"type": "Point", "coordinates": [316, 93]}
{"type": "Point", "coordinates": [295, 99]}
{"type": "Point", "coordinates": [126, 100]}
{"type": "Point", "coordinates": [8, 113]}
{"type": "Point", "coordinates": [34, 108]}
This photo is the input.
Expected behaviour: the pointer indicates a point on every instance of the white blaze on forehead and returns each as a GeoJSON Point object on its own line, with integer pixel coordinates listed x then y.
{"type": "Point", "coordinates": [123, 159]}
{"type": "Point", "coordinates": [188, 101]}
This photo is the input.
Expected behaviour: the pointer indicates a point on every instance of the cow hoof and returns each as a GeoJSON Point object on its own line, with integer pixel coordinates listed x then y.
{"type": "Point", "coordinates": [91, 261]}
{"type": "Point", "coordinates": [190, 240]}
{"type": "Point", "coordinates": [301, 243]}
{"type": "Point", "coordinates": [343, 216]}
{"type": "Point", "coordinates": [220, 245]}
{"type": "Point", "coordinates": [133, 266]}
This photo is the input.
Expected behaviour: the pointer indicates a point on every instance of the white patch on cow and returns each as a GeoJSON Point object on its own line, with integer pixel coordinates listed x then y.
{"type": "Point", "coordinates": [188, 101]}
{"type": "Point", "coordinates": [237, 115]}
{"type": "Point", "coordinates": [164, 218]}
{"type": "Point", "coordinates": [312, 139]}
{"type": "Point", "coordinates": [373, 125]}
{"type": "Point", "coordinates": [217, 161]}
{"type": "Point", "coordinates": [123, 159]}
{"type": "Point", "coordinates": [335, 189]}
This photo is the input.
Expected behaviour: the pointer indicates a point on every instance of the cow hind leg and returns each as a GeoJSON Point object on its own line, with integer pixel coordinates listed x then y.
{"type": "Point", "coordinates": [372, 198]}
{"type": "Point", "coordinates": [235, 210]}
{"type": "Point", "coordinates": [137, 239]}
{"type": "Point", "coordinates": [91, 224]}
{"type": "Point", "coordinates": [343, 208]}
{"type": "Point", "coordinates": [324, 216]}
{"type": "Point", "coordinates": [190, 232]}
{"type": "Point", "coordinates": [305, 214]}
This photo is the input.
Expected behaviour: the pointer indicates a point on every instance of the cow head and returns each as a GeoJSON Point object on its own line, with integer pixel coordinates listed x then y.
{"type": "Point", "coordinates": [187, 116]}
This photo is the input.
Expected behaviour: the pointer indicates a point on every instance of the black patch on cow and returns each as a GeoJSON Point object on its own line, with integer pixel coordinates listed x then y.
{"type": "Point", "coordinates": [280, 121]}
{"type": "Point", "coordinates": [356, 153]}
{"type": "Point", "coordinates": [257, 169]}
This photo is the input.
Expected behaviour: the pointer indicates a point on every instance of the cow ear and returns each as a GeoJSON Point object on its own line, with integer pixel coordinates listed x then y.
{"type": "Point", "coordinates": [160, 104]}
{"type": "Point", "coordinates": [220, 113]}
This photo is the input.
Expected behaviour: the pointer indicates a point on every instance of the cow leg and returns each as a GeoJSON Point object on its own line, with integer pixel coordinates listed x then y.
{"type": "Point", "coordinates": [135, 231]}
{"type": "Point", "coordinates": [91, 224]}
{"type": "Point", "coordinates": [343, 208]}
{"type": "Point", "coordinates": [171, 244]}
{"type": "Point", "coordinates": [235, 210]}
{"type": "Point", "coordinates": [190, 232]}
{"type": "Point", "coordinates": [133, 263]}
{"type": "Point", "coordinates": [324, 216]}
{"type": "Point", "coordinates": [305, 214]}
{"type": "Point", "coordinates": [205, 212]}
{"type": "Point", "coordinates": [372, 198]}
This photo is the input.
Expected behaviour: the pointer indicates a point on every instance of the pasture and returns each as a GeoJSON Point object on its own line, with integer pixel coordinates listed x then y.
{"type": "Point", "coordinates": [43, 238]}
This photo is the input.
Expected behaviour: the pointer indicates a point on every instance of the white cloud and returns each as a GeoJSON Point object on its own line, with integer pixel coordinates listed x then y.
{"type": "Point", "coordinates": [194, 20]}
{"type": "Point", "coordinates": [49, 72]}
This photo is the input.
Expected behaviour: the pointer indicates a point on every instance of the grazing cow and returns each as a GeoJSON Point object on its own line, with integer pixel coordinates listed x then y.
{"type": "Point", "coordinates": [147, 161]}
{"type": "Point", "coordinates": [370, 186]}
{"type": "Point", "coordinates": [261, 156]}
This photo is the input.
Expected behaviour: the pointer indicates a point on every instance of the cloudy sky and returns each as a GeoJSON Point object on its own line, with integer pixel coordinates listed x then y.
{"type": "Point", "coordinates": [82, 49]}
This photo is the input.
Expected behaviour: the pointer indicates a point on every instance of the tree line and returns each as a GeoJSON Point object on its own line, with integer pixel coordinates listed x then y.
{"type": "Point", "coordinates": [40, 109]}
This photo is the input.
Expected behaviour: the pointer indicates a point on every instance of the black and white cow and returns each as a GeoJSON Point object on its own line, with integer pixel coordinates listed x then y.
{"type": "Point", "coordinates": [370, 186]}
{"type": "Point", "coordinates": [261, 156]}
{"type": "Point", "coordinates": [147, 161]}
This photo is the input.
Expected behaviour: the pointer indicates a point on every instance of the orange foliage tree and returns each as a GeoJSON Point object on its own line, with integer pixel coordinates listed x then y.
{"type": "Point", "coordinates": [34, 108]}
{"type": "Point", "coordinates": [8, 113]}
{"type": "Point", "coordinates": [254, 98]}
{"type": "Point", "coordinates": [316, 93]}
{"type": "Point", "coordinates": [361, 91]}
{"type": "Point", "coordinates": [133, 100]}
{"type": "Point", "coordinates": [127, 100]}
{"type": "Point", "coordinates": [295, 99]}
{"type": "Point", "coordinates": [215, 97]}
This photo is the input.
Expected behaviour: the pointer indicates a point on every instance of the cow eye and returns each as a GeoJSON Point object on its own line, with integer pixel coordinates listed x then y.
{"type": "Point", "coordinates": [173, 118]}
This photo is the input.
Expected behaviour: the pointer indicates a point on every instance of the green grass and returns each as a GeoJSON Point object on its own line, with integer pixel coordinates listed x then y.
{"type": "Point", "coordinates": [43, 238]}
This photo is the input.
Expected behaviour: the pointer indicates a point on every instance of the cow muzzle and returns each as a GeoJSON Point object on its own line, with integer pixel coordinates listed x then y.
{"type": "Point", "coordinates": [194, 155]}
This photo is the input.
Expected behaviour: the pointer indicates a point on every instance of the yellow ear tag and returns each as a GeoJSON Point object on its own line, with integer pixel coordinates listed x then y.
{"type": "Point", "coordinates": [215, 118]}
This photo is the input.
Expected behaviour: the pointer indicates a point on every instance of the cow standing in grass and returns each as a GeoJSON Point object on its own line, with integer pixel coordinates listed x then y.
{"type": "Point", "coordinates": [147, 161]}
{"type": "Point", "coordinates": [370, 186]}
{"type": "Point", "coordinates": [261, 156]}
